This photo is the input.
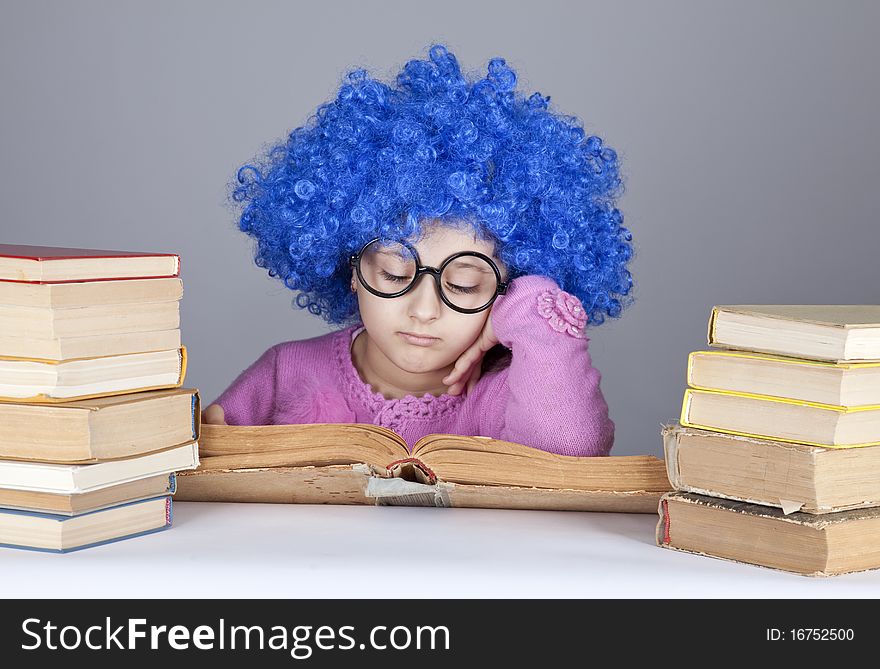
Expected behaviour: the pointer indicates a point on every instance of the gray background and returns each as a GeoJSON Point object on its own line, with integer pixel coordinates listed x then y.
{"type": "Point", "coordinates": [747, 133]}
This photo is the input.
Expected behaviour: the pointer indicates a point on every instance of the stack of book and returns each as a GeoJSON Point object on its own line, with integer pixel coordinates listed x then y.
{"type": "Point", "coordinates": [94, 422]}
{"type": "Point", "coordinates": [775, 460]}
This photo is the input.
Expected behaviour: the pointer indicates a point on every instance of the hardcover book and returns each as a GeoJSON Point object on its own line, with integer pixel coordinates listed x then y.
{"type": "Point", "coordinates": [89, 293]}
{"type": "Point", "coordinates": [60, 349]}
{"type": "Point", "coordinates": [802, 543]}
{"type": "Point", "coordinates": [52, 264]}
{"type": "Point", "coordinates": [103, 428]}
{"type": "Point", "coordinates": [61, 534]}
{"type": "Point", "coordinates": [23, 380]}
{"type": "Point", "coordinates": [792, 477]}
{"type": "Point", "coordinates": [369, 464]}
{"type": "Point", "coordinates": [794, 421]}
{"type": "Point", "coordinates": [833, 332]}
{"type": "Point", "coordinates": [839, 384]}
{"type": "Point", "coordinates": [101, 319]}
{"type": "Point", "coordinates": [79, 503]}
{"type": "Point", "coordinates": [73, 479]}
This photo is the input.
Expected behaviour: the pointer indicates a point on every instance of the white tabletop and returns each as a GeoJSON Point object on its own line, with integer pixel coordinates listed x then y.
{"type": "Point", "coordinates": [278, 550]}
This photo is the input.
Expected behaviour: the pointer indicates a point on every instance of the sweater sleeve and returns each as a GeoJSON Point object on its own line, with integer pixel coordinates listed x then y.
{"type": "Point", "coordinates": [549, 396]}
{"type": "Point", "coordinates": [250, 399]}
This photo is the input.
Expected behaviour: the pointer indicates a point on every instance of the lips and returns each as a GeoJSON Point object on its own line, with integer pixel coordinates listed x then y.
{"type": "Point", "coordinates": [418, 339]}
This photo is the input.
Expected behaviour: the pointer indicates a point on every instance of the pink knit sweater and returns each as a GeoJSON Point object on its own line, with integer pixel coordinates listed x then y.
{"type": "Point", "coordinates": [548, 397]}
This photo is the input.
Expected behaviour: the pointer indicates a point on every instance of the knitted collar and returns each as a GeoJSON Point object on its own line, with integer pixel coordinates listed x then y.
{"type": "Point", "coordinates": [361, 394]}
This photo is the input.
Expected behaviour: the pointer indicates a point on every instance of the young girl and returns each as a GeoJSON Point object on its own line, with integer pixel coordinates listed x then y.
{"type": "Point", "coordinates": [463, 235]}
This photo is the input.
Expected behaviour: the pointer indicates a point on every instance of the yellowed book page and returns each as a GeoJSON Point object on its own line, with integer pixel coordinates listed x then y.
{"type": "Point", "coordinates": [72, 348]}
{"type": "Point", "coordinates": [482, 460]}
{"type": "Point", "coordinates": [86, 321]}
{"type": "Point", "coordinates": [83, 268]}
{"type": "Point", "coordinates": [318, 444]}
{"type": "Point", "coordinates": [793, 477]}
{"type": "Point", "coordinates": [760, 417]}
{"type": "Point", "coordinates": [115, 386]}
{"type": "Point", "coordinates": [542, 499]}
{"type": "Point", "coordinates": [758, 471]}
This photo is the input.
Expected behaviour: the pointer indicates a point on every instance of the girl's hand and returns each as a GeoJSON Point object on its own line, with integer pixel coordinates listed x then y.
{"type": "Point", "coordinates": [467, 369]}
{"type": "Point", "coordinates": [214, 414]}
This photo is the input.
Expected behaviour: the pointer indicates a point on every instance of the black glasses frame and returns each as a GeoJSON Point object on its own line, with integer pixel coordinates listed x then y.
{"type": "Point", "coordinates": [500, 289]}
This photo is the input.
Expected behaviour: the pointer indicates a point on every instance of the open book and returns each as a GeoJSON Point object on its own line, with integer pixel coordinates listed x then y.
{"type": "Point", "coordinates": [356, 463]}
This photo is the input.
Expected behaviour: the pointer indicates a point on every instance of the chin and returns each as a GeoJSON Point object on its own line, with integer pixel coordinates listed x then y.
{"type": "Point", "coordinates": [418, 366]}
{"type": "Point", "coordinates": [419, 362]}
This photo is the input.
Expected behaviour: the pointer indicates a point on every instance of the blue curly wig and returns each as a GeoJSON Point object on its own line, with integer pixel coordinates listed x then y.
{"type": "Point", "coordinates": [379, 160]}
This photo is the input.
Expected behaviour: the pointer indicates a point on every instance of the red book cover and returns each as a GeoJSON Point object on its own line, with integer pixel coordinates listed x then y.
{"type": "Point", "coordinates": [24, 262]}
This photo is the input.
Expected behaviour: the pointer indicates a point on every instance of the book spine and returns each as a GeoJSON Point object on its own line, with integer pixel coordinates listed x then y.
{"type": "Point", "coordinates": [710, 334]}
{"type": "Point", "coordinates": [195, 457]}
{"type": "Point", "coordinates": [432, 477]}
{"type": "Point", "coordinates": [670, 447]}
{"type": "Point", "coordinates": [400, 492]}
{"type": "Point", "coordinates": [663, 525]}
{"type": "Point", "coordinates": [182, 359]}
{"type": "Point", "coordinates": [685, 408]}
{"type": "Point", "coordinates": [196, 415]}
{"type": "Point", "coordinates": [168, 512]}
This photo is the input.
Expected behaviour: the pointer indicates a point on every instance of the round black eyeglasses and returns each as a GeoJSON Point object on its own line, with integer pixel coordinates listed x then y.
{"type": "Point", "coordinates": [468, 281]}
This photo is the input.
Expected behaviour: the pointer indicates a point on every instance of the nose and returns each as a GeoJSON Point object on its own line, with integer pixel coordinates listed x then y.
{"type": "Point", "coordinates": [424, 300]}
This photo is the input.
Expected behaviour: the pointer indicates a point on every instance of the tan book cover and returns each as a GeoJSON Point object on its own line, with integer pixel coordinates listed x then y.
{"type": "Point", "coordinates": [802, 543]}
{"type": "Point", "coordinates": [99, 429]}
{"type": "Point", "coordinates": [792, 477]}
{"type": "Point", "coordinates": [368, 464]}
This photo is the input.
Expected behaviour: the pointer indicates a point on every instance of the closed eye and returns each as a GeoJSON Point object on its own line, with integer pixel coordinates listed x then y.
{"type": "Point", "coordinates": [393, 277]}
{"type": "Point", "coordinates": [465, 290]}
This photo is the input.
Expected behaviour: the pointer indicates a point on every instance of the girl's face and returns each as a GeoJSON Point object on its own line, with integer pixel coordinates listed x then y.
{"type": "Point", "coordinates": [389, 321]}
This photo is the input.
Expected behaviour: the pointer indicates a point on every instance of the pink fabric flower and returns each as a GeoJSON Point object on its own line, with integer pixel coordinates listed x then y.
{"type": "Point", "coordinates": [563, 311]}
